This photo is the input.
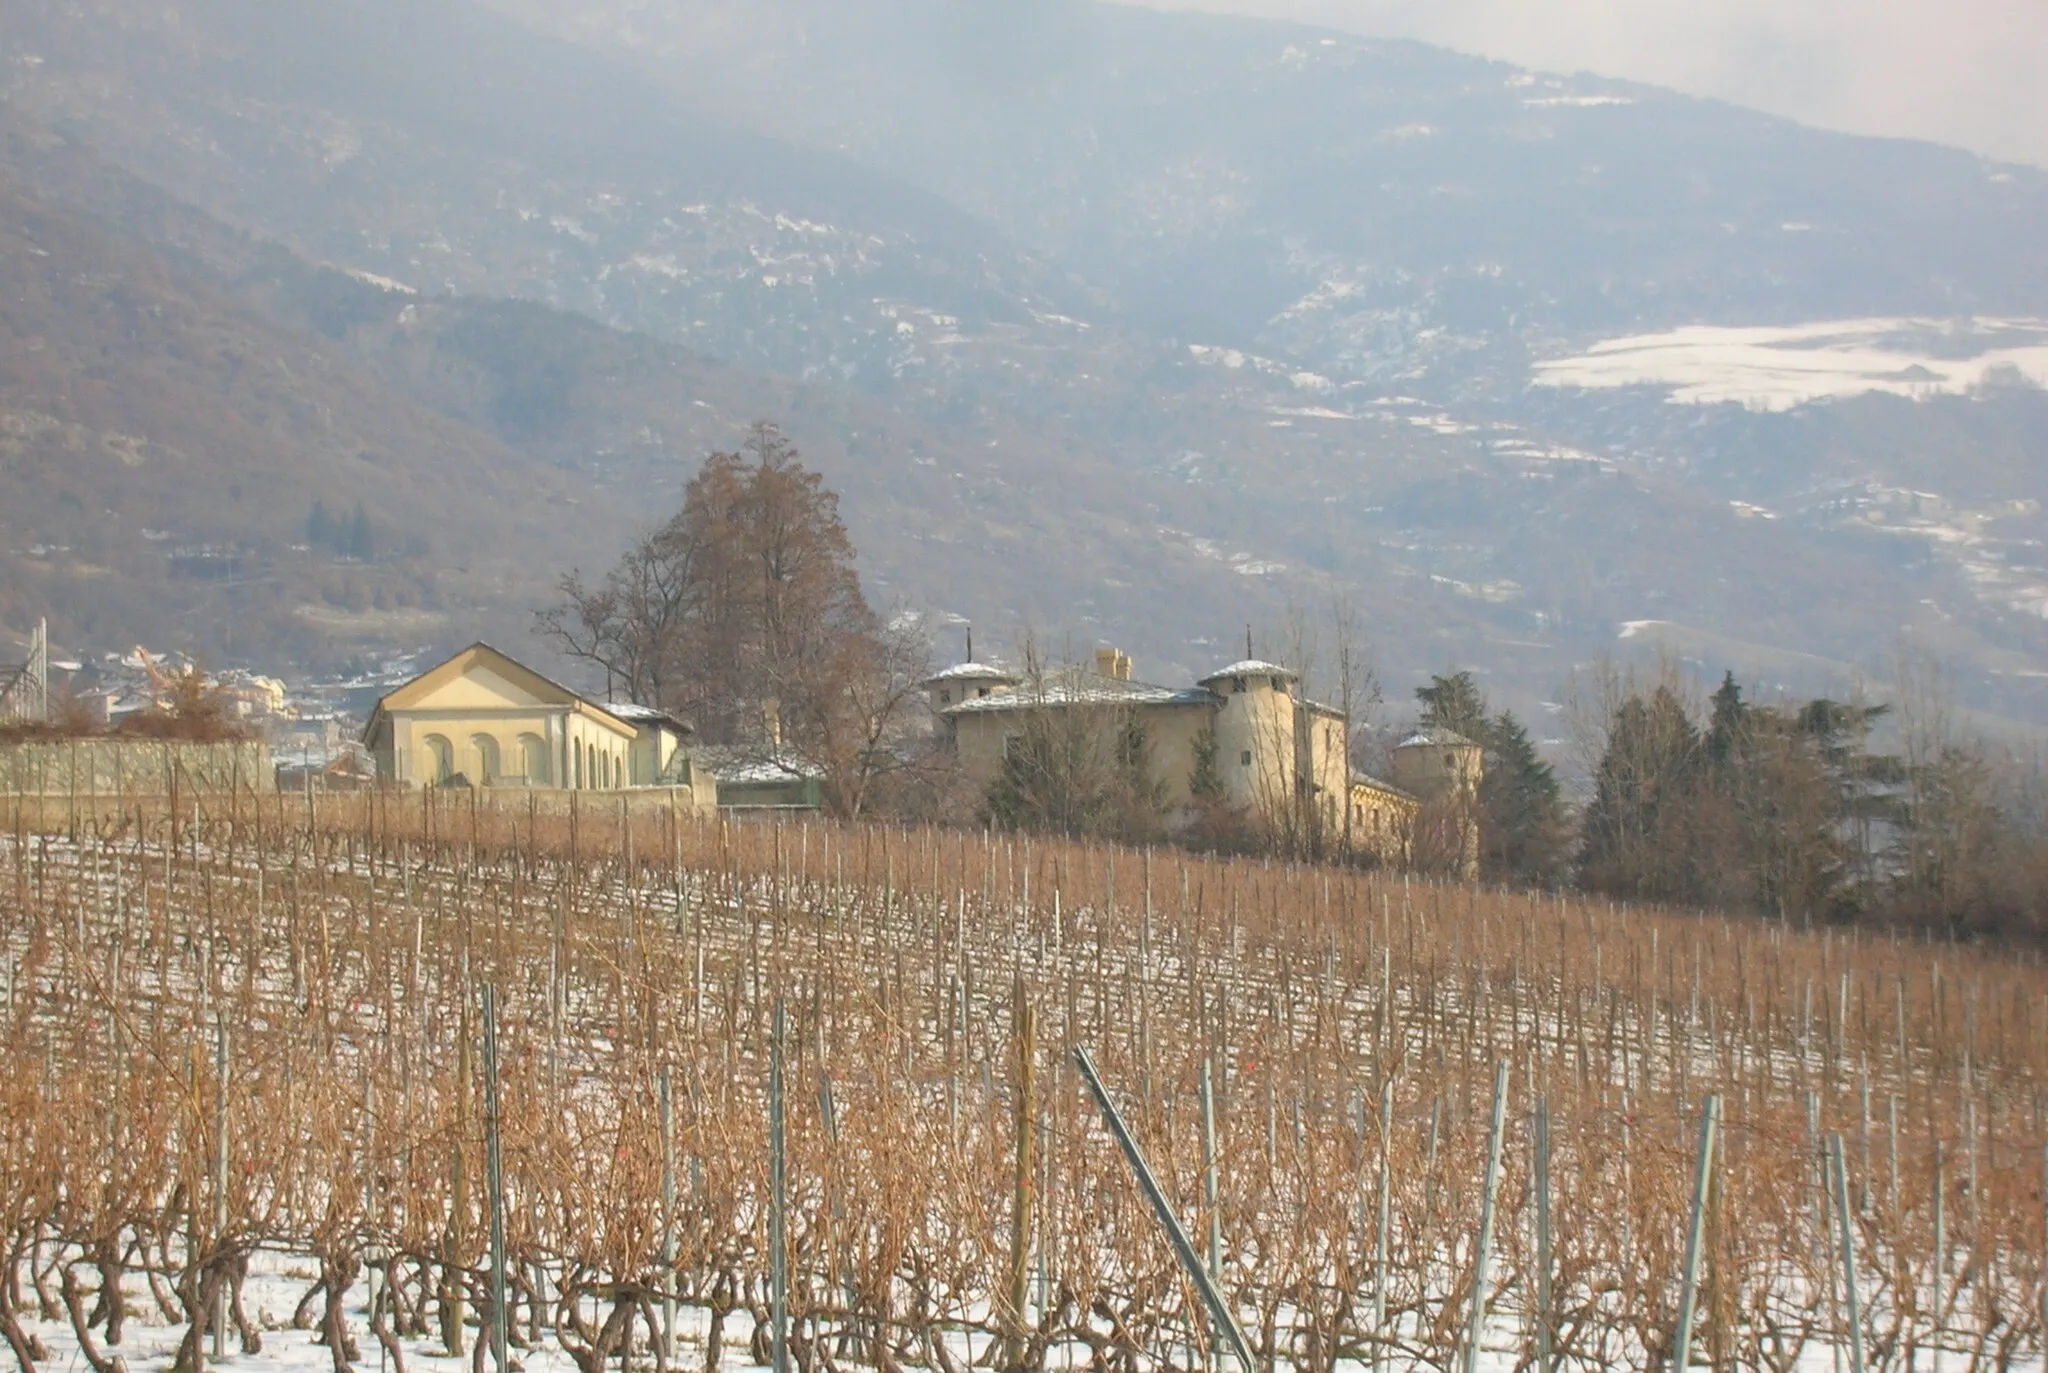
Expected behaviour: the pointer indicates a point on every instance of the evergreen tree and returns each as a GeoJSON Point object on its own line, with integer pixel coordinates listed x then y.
{"type": "Point", "coordinates": [1454, 703]}
{"type": "Point", "coordinates": [1727, 722]}
{"type": "Point", "coordinates": [320, 526]}
{"type": "Point", "coordinates": [1524, 828]}
{"type": "Point", "coordinates": [1634, 836]}
{"type": "Point", "coordinates": [362, 543]}
{"type": "Point", "coordinates": [1079, 771]}
{"type": "Point", "coordinates": [1205, 785]}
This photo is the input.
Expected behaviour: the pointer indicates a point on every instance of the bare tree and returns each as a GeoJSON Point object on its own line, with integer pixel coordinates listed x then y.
{"type": "Point", "coordinates": [749, 595]}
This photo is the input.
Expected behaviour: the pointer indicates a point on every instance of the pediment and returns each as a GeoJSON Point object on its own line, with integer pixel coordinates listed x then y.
{"type": "Point", "coordinates": [480, 678]}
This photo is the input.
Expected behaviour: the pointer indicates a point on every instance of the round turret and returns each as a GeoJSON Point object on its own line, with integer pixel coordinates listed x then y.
{"type": "Point", "coordinates": [968, 682]}
{"type": "Point", "coordinates": [1255, 743]}
{"type": "Point", "coordinates": [1434, 763]}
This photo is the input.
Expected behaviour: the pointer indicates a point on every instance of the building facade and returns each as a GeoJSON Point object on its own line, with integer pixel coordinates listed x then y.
{"type": "Point", "coordinates": [1245, 734]}
{"type": "Point", "coordinates": [485, 719]}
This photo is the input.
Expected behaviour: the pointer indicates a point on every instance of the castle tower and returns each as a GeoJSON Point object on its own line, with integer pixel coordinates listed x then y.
{"type": "Point", "coordinates": [968, 681]}
{"type": "Point", "coordinates": [1255, 734]}
{"type": "Point", "coordinates": [1443, 769]}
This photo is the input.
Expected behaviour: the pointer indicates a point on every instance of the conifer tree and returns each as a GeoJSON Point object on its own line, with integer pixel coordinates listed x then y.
{"type": "Point", "coordinates": [1454, 703]}
{"type": "Point", "coordinates": [362, 543]}
{"type": "Point", "coordinates": [1525, 832]}
{"type": "Point", "coordinates": [320, 526]}
{"type": "Point", "coordinates": [1634, 833]}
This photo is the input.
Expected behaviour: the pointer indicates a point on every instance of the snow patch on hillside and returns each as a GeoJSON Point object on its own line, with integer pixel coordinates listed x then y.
{"type": "Point", "coordinates": [1772, 367]}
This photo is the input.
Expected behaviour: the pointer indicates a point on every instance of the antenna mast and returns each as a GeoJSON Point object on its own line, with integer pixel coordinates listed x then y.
{"type": "Point", "coordinates": [25, 697]}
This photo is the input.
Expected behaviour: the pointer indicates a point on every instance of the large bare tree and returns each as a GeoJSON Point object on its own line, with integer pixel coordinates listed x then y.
{"type": "Point", "coordinates": [745, 605]}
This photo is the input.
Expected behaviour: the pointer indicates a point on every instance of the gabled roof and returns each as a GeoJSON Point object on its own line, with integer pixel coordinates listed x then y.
{"type": "Point", "coordinates": [545, 690]}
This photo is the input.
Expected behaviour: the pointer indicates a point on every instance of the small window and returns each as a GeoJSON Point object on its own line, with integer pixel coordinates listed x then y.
{"type": "Point", "coordinates": [1237, 684]}
{"type": "Point", "coordinates": [984, 691]}
{"type": "Point", "coordinates": [1280, 685]}
{"type": "Point", "coordinates": [1450, 762]}
{"type": "Point", "coordinates": [1245, 758]}
{"type": "Point", "coordinates": [945, 698]}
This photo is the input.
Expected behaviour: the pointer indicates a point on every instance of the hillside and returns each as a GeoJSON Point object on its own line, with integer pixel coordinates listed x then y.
{"type": "Point", "coordinates": [573, 436]}
{"type": "Point", "coordinates": [1139, 326]}
{"type": "Point", "coordinates": [164, 444]}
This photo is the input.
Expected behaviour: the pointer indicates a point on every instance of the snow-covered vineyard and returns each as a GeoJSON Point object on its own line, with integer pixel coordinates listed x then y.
{"type": "Point", "coordinates": [254, 1104]}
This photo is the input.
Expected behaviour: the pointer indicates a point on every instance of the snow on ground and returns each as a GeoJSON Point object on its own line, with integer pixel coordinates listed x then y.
{"type": "Point", "coordinates": [1771, 367]}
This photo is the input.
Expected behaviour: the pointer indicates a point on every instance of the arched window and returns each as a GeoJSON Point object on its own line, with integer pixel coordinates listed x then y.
{"type": "Point", "coordinates": [440, 759]}
{"type": "Point", "coordinates": [577, 751]}
{"type": "Point", "coordinates": [487, 769]}
{"type": "Point", "coordinates": [533, 754]}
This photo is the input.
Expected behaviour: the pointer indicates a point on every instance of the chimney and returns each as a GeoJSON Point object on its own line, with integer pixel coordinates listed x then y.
{"type": "Point", "coordinates": [1113, 664]}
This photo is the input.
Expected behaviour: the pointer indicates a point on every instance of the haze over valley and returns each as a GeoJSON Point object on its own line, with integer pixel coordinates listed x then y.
{"type": "Point", "coordinates": [1130, 326]}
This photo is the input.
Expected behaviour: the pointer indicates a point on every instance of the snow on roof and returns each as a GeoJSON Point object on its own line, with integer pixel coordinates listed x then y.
{"type": "Point", "coordinates": [1251, 667]}
{"type": "Point", "coordinates": [1435, 737]}
{"type": "Point", "coordinates": [631, 711]}
{"type": "Point", "coordinates": [969, 672]}
{"type": "Point", "coordinates": [740, 763]}
{"type": "Point", "coordinates": [1079, 687]}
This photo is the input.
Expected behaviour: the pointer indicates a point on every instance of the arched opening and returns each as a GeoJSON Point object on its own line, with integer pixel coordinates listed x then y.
{"type": "Point", "coordinates": [577, 751]}
{"type": "Point", "coordinates": [440, 759]}
{"type": "Point", "coordinates": [533, 758]}
{"type": "Point", "coordinates": [488, 770]}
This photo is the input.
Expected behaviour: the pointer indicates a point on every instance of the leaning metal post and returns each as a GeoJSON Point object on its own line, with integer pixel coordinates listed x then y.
{"type": "Point", "coordinates": [494, 1177]}
{"type": "Point", "coordinates": [1190, 1261]}
{"type": "Point", "coordinates": [1483, 1265]}
{"type": "Point", "coordinates": [1695, 1237]}
{"type": "Point", "coordinates": [778, 1208]}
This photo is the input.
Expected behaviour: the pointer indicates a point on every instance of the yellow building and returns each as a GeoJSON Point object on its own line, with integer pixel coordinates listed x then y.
{"type": "Point", "coordinates": [1272, 754]}
{"type": "Point", "coordinates": [486, 719]}
{"type": "Point", "coordinates": [1443, 769]}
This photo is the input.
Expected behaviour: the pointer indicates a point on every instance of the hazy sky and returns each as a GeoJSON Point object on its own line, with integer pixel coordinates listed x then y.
{"type": "Point", "coordinates": [1968, 72]}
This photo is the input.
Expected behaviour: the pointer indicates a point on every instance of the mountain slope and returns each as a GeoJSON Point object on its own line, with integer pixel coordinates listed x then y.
{"type": "Point", "coordinates": [1249, 182]}
{"type": "Point", "coordinates": [495, 444]}
{"type": "Point", "coordinates": [1129, 326]}
{"type": "Point", "coordinates": [161, 445]}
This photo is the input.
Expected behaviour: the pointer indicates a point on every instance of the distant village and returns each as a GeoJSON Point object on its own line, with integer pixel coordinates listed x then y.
{"type": "Point", "coordinates": [1244, 738]}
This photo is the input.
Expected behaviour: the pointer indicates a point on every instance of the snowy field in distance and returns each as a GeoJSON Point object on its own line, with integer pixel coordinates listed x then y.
{"type": "Point", "coordinates": [1777, 367]}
